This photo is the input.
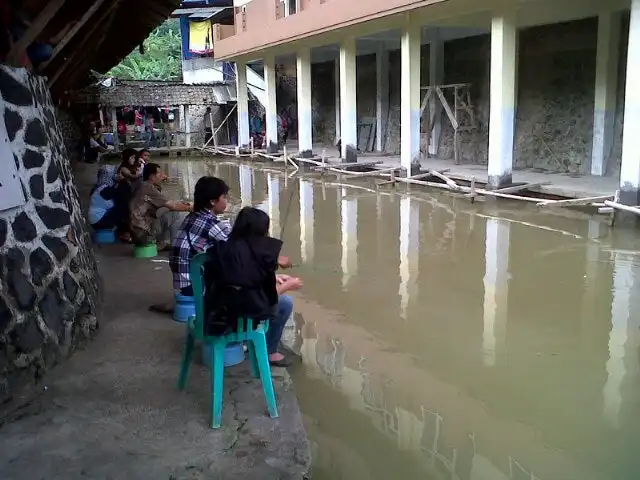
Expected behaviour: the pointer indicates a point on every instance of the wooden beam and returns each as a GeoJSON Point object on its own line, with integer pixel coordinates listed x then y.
{"type": "Point", "coordinates": [574, 202]}
{"type": "Point", "coordinates": [98, 23]}
{"type": "Point", "coordinates": [71, 33]}
{"type": "Point", "coordinates": [518, 188]}
{"type": "Point", "coordinates": [34, 30]}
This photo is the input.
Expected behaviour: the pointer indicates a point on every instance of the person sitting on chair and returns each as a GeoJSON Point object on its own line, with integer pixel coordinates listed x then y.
{"type": "Point", "coordinates": [241, 280]}
{"type": "Point", "coordinates": [201, 230]}
{"type": "Point", "coordinates": [154, 218]}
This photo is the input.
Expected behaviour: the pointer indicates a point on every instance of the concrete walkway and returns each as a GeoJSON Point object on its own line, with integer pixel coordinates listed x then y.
{"type": "Point", "coordinates": [113, 410]}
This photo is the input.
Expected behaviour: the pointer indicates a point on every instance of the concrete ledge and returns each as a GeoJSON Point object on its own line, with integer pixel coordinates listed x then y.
{"type": "Point", "coordinates": [113, 410]}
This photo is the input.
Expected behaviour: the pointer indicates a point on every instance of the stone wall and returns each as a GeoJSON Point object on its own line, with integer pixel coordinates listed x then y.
{"type": "Point", "coordinates": [49, 285]}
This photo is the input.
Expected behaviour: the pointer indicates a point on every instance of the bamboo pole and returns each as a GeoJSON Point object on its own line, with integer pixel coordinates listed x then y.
{"type": "Point", "coordinates": [573, 202]}
{"type": "Point", "coordinates": [624, 208]}
{"type": "Point", "coordinates": [616, 199]}
{"type": "Point", "coordinates": [518, 188]}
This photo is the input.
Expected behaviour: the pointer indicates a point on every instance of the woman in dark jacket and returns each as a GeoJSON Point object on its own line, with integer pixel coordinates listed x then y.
{"type": "Point", "coordinates": [244, 280]}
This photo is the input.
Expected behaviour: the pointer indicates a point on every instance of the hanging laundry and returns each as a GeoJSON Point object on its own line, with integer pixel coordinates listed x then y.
{"type": "Point", "coordinates": [201, 37]}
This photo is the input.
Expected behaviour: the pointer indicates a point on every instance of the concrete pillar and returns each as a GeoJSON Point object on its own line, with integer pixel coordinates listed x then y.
{"type": "Point", "coordinates": [607, 58]}
{"type": "Point", "coordinates": [349, 229]}
{"type": "Point", "coordinates": [624, 337]}
{"type": "Point", "coordinates": [436, 77]}
{"type": "Point", "coordinates": [246, 186]}
{"type": "Point", "coordinates": [382, 96]}
{"type": "Point", "coordinates": [409, 250]}
{"type": "Point", "coordinates": [271, 108]}
{"type": "Point", "coordinates": [410, 97]}
{"type": "Point", "coordinates": [187, 126]}
{"type": "Point", "coordinates": [336, 80]}
{"type": "Point", "coordinates": [496, 289]}
{"type": "Point", "coordinates": [348, 102]}
{"type": "Point", "coordinates": [273, 190]}
{"type": "Point", "coordinates": [630, 167]}
{"type": "Point", "coordinates": [502, 99]}
{"type": "Point", "coordinates": [305, 118]}
{"type": "Point", "coordinates": [242, 95]}
{"type": "Point", "coordinates": [114, 129]}
{"type": "Point", "coordinates": [306, 220]}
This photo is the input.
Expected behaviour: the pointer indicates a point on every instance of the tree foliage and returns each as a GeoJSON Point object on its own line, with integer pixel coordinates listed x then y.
{"type": "Point", "coordinates": [162, 58]}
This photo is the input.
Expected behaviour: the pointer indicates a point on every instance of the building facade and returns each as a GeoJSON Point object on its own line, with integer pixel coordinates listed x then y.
{"type": "Point", "coordinates": [510, 84]}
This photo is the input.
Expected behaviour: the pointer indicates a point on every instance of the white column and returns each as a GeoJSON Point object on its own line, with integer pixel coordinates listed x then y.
{"type": "Point", "coordinates": [349, 228]}
{"type": "Point", "coordinates": [410, 96]}
{"type": "Point", "coordinates": [630, 167]}
{"type": "Point", "coordinates": [246, 186]}
{"type": "Point", "coordinates": [271, 108]}
{"type": "Point", "coordinates": [502, 99]}
{"type": "Point", "coordinates": [496, 288]}
{"type": "Point", "coordinates": [242, 96]}
{"type": "Point", "coordinates": [273, 189]}
{"type": "Point", "coordinates": [187, 126]}
{"type": "Point", "coordinates": [348, 102]}
{"type": "Point", "coordinates": [305, 119]}
{"type": "Point", "coordinates": [409, 250]}
{"type": "Point", "coordinates": [336, 80]}
{"type": "Point", "coordinates": [382, 95]}
{"type": "Point", "coordinates": [606, 91]}
{"type": "Point", "coordinates": [624, 337]}
{"type": "Point", "coordinates": [306, 220]}
{"type": "Point", "coordinates": [436, 77]}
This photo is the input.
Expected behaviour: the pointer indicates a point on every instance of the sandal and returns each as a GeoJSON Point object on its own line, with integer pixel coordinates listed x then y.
{"type": "Point", "coordinates": [283, 362]}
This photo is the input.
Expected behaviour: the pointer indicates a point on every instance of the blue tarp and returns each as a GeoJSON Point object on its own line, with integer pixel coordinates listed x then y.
{"type": "Point", "coordinates": [184, 35]}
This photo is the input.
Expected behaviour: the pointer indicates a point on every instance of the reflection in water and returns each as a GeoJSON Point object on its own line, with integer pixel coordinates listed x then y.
{"type": "Point", "coordinates": [273, 201]}
{"type": "Point", "coordinates": [398, 388]}
{"type": "Point", "coordinates": [306, 221]}
{"type": "Point", "coordinates": [496, 288]}
{"type": "Point", "coordinates": [246, 185]}
{"type": "Point", "coordinates": [349, 228]}
{"type": "Point", "coordinates": [409, 250]}
{"type": "Point", "coordinates": [624, 336]}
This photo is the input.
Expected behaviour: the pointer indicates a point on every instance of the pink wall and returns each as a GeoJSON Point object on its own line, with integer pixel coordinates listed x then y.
{"type": "Point", "coordinates": [263, 24]}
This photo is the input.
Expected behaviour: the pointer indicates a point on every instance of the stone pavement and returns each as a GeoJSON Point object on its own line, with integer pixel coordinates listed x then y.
{"type": "Point", "coordinates": [113, 411]}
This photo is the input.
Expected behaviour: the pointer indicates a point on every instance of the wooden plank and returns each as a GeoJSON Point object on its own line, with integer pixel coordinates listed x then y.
{"type": "Point", "coordinates": [447, 108]}
{"type": "Point", "coordinates": [517, 188]}
{"type": "Point", "coordinates": [34, 30]}
{"type": "Point", "coordinates": [98, 23]}
{"type": "Point", "coordinates": [67, 38]}
{"type": "Point", "coordinates": [425, 101]}
{"type": "Point", "coordinates": [573, 202]}
{"type": "Point", "coordinates": [624, 208]}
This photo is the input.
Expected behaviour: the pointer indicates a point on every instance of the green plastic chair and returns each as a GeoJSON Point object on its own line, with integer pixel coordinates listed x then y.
{"type": "Point", "coordinates": [256, 343]}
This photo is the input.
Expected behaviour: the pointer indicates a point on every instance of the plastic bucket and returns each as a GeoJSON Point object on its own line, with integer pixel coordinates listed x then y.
{"type": "Point", "coordinates": [233, 355]}
{"type": "Point", "coordinates": [149, 250]}
{"type": "Point", "coordinates": [104, 237]}
{"type": "Point", "coordinates": [183, 308]}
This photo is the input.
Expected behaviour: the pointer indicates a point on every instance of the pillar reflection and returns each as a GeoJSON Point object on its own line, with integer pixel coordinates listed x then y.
{"type": "Point", "coordinates": [496, 288]}
{"type": "Point", "coordinates": [246, 185]}
{"type": "Point", "coordinates": [273, 199]}
{"type": "Point", "coordinates": [306, 220]}
{"type": "Point", "coordinates": [409, 250]}
{"type": "Point", "coordinates": [624, 337]}
{"type": "Point", "coordinates": [349, 229]}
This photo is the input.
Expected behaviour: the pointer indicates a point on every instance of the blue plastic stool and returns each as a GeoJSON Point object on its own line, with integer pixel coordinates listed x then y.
{"type": "Point", "coordinates": [233, 355]}
{"type": "Point", "coordinates": [183, 308]}
{"type": "Point", "coordinates": [254, 336]}
{"type": "Point", "coordinates": [104, 237]}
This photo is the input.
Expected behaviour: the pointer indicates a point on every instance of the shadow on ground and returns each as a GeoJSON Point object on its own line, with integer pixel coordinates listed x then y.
{"type": "Point", "coordinates": [113, 410]}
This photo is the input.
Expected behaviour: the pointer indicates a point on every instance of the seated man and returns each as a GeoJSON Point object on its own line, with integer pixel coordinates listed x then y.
{"type": "Point", "coordinates": [200, 230]}
{"type": "Point", "coordinates": [154, 218]}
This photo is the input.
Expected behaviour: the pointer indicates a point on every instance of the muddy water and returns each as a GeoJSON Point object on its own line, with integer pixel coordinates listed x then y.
{"type": "Point", "coordinates": [441, 339]}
